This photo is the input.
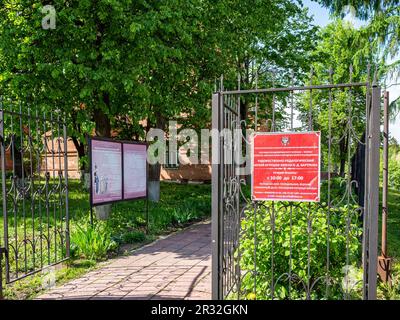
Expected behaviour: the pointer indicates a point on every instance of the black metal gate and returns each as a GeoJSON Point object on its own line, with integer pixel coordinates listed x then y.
{"type": "Point", "coordinates": [34, 176]}
{"type": "Point", "coordinates": [290, 250]}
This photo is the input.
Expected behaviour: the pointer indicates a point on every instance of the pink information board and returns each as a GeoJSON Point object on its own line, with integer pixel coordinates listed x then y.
{"type": "Point", "coordinates": [106, 171]}
{"type": "Point", "coordinates": [135, 170]}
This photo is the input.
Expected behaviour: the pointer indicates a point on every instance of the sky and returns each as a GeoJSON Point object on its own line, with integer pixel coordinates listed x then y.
{"type": "Point", "coordinates": [321, 18]}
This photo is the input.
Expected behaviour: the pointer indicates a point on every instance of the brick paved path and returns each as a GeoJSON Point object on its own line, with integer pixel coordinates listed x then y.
{"type": "Point", "coordinates": [177, 267]}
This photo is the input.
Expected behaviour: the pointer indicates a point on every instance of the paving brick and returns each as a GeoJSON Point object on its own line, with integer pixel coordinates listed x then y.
{"type": "Point", "coordinates": [177, 267]}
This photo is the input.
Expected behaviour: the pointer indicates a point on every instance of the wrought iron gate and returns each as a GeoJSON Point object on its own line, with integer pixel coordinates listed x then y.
{"type": "Point", "coordinates": [34, 177]}
{"type": "Point", "coordinates": [287, 250]}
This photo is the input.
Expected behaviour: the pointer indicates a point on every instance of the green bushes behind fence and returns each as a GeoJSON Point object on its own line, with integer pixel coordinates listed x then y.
{"type": "Point", "coordinates": [303, 250]}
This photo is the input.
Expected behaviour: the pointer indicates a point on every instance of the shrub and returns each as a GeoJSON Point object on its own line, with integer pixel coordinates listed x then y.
{"type": "Point", "coordinates": [133, 236]}
{"type": "Point", "coordinates": [292, 229]}
{"type": "Point", "coordinates": [390, 291]}
{"type": "Point", "coordinates": [393, 169]}
{"type": "Point", "coordinates": [394, 173]}
{"type": "Point", "coordinates": [182, 215]}
{"type": "Point", "coordinates": [91, 242]}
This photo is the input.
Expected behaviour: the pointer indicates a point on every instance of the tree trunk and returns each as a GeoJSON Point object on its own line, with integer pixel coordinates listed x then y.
{"type": "Point", "coordinates": [103, 126]}
{"type": "Point", "coordinates": [102, 121]}
{"type": "Point", "coordinates": [17, 158]}
{"type": "Point", "coordinates": [83, 168]}
{"type": "Point", "coordinates": [103, 129]}
{"type": "Point", "coordinates": [155, 169]}
{"type": "Point", "coordinates": [154, 182]}
{"type": "Point", "coordinates": [342, 166]}
{"type": "Point", "coordinates": [80, 148]}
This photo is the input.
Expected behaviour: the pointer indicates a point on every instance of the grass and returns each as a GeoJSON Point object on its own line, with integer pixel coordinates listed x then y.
{"type": "Point", "coordinates": [392, 291]}
{"type": "Point", "coordinates": [393, 224]}
{"type": "Point", "coordinates": [34, 285]}
{"type": "Point", "coordinates": [179, 205]}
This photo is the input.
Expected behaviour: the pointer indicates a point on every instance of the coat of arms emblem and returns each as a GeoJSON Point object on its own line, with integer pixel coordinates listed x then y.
{"type": "Point", "coordinates": [285, 141]}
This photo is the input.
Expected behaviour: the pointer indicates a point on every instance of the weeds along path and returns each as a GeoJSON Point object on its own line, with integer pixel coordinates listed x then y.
{"type": "Point", "coordinates": [176, 267]}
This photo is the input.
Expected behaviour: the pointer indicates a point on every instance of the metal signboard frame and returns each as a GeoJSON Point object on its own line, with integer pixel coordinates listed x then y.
{"type": "Point", "coordinates": [122, 143]}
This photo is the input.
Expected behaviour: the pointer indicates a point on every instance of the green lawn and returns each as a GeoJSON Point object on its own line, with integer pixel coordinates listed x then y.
{"type": "Point", "coordinates": [393, 245]}
{"type": "Point", "coordinates": [393, 224]}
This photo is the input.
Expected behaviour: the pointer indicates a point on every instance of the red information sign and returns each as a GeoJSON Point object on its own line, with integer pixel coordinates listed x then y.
{"type": "Point", "coordinates": [286, 166]}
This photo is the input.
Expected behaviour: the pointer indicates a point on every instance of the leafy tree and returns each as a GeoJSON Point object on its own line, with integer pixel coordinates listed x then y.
{"type": "Point", "coordinates": [336, 51]}
{"type": "Point", "coordinates": [394, 110]}
{"type": "Point", "coordinates": [383, 26]}
{"type": "Point", "coordinates": [393, 142]}
{"type": "Point", "coordinates": [268, 45]}
{"type": "Point", "coordinates": [109, 64]}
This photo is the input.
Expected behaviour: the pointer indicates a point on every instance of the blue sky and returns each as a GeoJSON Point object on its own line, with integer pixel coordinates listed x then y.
{"type": "Point", "coordinates": [321, 15]}
{"type": "Point", "coordinates": [321, 18]}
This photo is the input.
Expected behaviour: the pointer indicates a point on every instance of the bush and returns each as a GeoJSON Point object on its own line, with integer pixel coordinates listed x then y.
{"type": "Point", "coordinates": [133, 236]}
{"type": "Point", "coordinates": [394, 173]}
{"type": "Point", "coordinates": [182, 215]}
{"type": "Point", "coordinates": [343, 274]}
{"type": "Point", "coordinates": [179, 204]}
{"type": "Point", "coordinates": [91, 242]}
{"type": "Point", "coordinates": [393, 169]}
{"type": "Point", "coordinates": [389, 291]}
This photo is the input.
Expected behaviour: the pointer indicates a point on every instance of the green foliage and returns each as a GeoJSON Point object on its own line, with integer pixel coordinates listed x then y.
{"type": "Point", "coordinates": [84, 162]}
{"type": "Point", "coordinates": [381, 32]}
{"type": "Point", "coordinates": [390, 291]}
{"type": "Point", "coordinates": [30, 287]}
{"type": "Point", "coordinates": [386, 291]}
{"type": "Point", "coordinates": [394, 173]}
{"type": "Point", "coordinates": [394, 110]}
{"type": "Point", "coordinates": [271, 229]}
{"type": "Point", "coordinates": [110, 64]}
{"type": "Point", "coordinates": [338, 114]}
{"type": "Point", "coordinates": [133, 237]}
{"type": "Point", "coordinates": [394, 167]}
{"type": "Point", "coordinates": [178, 205]}
{"type": "Point", "coordinates": [182, 216]}
{"type": "Point", "coordinates": [91, 242]}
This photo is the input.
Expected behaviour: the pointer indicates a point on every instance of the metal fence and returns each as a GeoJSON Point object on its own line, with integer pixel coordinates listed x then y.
{"type": "Point", "coordinates": [34, 223]}
{"type": "Point", "coordinates": [290, 250]}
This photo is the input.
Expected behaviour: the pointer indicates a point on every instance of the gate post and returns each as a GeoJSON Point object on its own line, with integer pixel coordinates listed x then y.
{"type": "Point", "coordinates": [4, 250]}
{"type": "Point", "coordinates": [384, 261]}
{"type": "Point", "coordinates": [373, 191]}
{"type": "Point", "coordinates": [1, 273]}
{"type": "Point", "coordinates": [2, 171]}
{"type": "Point", "coordinates": [215, 216]}
{"type": "Point", "coordinates": [67, 233]}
